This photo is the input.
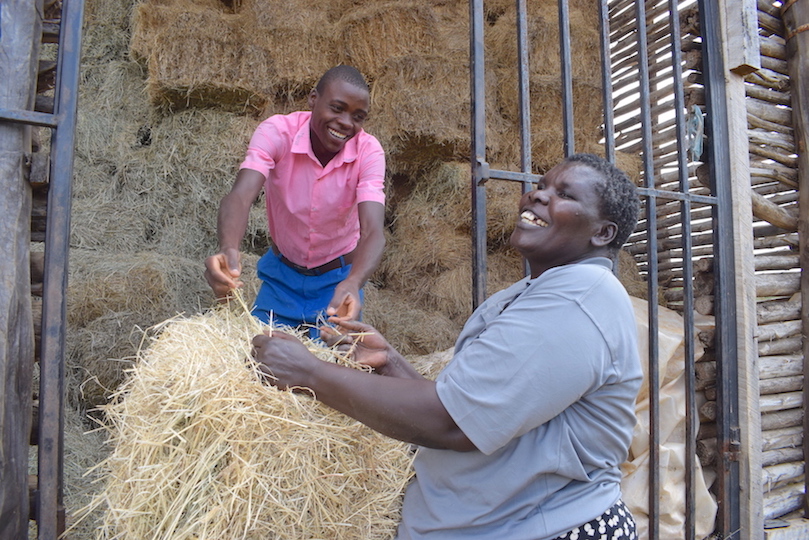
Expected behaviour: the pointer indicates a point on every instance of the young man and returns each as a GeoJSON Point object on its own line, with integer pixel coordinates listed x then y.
{"type": "Point", "coordinates": [523, 433]}
{"type": "Point", "coordinates": [323, 179]}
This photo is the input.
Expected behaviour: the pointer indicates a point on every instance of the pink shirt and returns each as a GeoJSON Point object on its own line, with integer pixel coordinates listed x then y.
{"type": "Point", "coordinates": [312, 211]}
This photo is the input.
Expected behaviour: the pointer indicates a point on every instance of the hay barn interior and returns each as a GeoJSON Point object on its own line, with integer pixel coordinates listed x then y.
{"type": "Point", "coordinates": [122, 126]}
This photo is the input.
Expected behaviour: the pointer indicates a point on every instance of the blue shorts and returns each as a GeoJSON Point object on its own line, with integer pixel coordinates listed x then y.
{"type": "Point", "coordinates": [292, 298]}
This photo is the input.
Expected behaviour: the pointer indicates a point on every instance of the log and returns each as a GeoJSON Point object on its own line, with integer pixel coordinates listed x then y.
{"type": "Point", "coordinates": [769, 242]}
{"type": "Point", "coordinates": [37, 264]}
{"type": "Point", "coordinates": [780, 346]}
{"type": "Point", "coordinates": [771, 367]}
{"type": "Point", "coordinates": [769, 112]}
{"type": "Point", "coordinates": [705, 375]}
{"type": "Point", "coordinates": [781, 419]}
{"type": "Point", "coordinates": [707, 412]}
{"type": "Point", "coordinates": [703, 283]}
{"type": "Point", "coordinates": [781, 402]}
{"type": "Point", "coordinates": [785, 261]}
{"type": "Point", "coordinates": [36, 315]}
{"type": "Point", "coordinates": [782, 455]}
{"type": "Point", "coordinates": [772, 48]}
{"type": "Point", "coordinates": [40, 169]}
{"type": "Point", "coordinates": [784, 500]}
{"type": "Point", "coordinates": [778, 475]}
{"type": "Point", "coordinates": [791, 437]}
{"type": "Point", "coordinates": [706, 452]}
{"type": "Point", "coordinates": [770, 22]}
{"type": "Point", "coordinates": [779, 141]}
{"type": "Point", "coordinates": [768, 79]}
{"type": "Point", "coordinates": [780, 157]}
{"type": "Point", "coordinates": [707, 337]}
{"type": "Point", "coordinates": [704, 305]}
{"type": "Point", "coordinates": [779, 385]}
{"type": "Point", "coordinates": [768, 95]}
{"type": "Point", "coordinates": [756, 122]}
{"type": "Point", "coordinates": [779, 330]}
{"type": "Point", "coordinates": [781, 284]}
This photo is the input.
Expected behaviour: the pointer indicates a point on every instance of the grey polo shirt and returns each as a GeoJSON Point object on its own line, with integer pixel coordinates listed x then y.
{"type": "Point", "coordinates": [543, 382]}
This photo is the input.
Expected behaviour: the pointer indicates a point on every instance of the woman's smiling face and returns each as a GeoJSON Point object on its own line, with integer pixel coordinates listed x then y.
{"type": "Point", "coordinates": [560, 222]}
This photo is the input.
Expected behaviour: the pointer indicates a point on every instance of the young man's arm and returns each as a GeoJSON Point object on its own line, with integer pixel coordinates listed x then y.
{"type": "Point", "coordinates": [346, 300]}
{"type": "Point", "coordinates": [223, 269]}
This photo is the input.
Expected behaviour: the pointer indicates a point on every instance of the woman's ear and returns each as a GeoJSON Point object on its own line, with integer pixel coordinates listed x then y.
{"type": "Point", "coordinates": [605, 235]}
{"type": "Point", "coordinates": [312, 98]}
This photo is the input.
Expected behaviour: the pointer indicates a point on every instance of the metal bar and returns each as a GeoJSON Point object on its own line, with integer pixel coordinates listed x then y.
{"type": "Point", "coordinates": [524, 90]}
{"type": "Point", "coordinates": [567, 78]}
{"type": "Point", "coordinates": [479, 166]}
{"type": "Point", "coordinates": [50, 509]}
{"type": "Point", "coordinates": [606, 80]}
{"type": "Point", "coordinates": [651, 225]}
{"type": "Point", "coordinates": [525, 105]}
{"type": "Point", "coordinates": [692, 418]}
{"type": "Point", "coordinates": [716, 126]}
{"type": "Point", "coordinates": [498, 174]}
{"type": "Point", "coordinates": [29, 117]}
{"type": "Point", "coordinates": [676, 195]}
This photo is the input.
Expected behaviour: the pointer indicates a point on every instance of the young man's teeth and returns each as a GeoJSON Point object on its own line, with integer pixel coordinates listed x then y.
{"type": "Point", "coordinates": [533, 219]}
{"type": "Point", "coordinates": [337, 134]}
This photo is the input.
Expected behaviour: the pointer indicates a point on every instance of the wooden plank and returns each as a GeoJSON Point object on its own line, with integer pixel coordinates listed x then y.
{"type": "Point", "coordinates": [742, 40]}
{"type": "Point", "coordinates": [20, 28]}
{"type": "Point", "coordinates": [740, 51]}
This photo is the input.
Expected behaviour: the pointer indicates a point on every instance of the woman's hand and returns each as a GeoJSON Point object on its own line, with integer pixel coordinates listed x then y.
{"type": "Point", "coordinates": [285, 361]}
{"type": "Point", "coordinates": [363, 341]}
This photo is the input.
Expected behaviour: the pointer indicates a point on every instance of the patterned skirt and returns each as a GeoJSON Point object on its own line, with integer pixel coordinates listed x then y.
{"type": "Point", "coordinates": [614, 524]}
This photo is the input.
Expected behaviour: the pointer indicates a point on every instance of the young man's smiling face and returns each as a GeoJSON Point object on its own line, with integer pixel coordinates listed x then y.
{"type": "Point", "coordinates": [560, 222]}
{"type": "Point", "coordinates": [338, 113]}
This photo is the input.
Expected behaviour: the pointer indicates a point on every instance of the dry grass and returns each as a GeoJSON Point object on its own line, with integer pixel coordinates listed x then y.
{"type": "Point", "coordinates": [202, 448]}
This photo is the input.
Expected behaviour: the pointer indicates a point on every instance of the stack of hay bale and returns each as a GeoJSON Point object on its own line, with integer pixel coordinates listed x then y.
{"type": "Point", "coordinates": [172, 90]}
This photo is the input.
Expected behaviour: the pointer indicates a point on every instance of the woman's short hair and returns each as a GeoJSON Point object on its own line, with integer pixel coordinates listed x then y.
{"type": "Point", "coordinates": [619, 196]}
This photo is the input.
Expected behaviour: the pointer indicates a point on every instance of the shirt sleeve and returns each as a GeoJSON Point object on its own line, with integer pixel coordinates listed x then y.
{"type": "Point", "coordinates": [371, 184]}
{"type": "Point", "coordinates": [264, 146]}
{"type": "Point", "coordinates": [530, 363]}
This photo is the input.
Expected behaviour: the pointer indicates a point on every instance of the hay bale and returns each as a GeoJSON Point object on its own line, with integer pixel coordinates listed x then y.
{"type": "Point", "coordinates": [201, 448]}
{"type": "Point", "coordinates": [374, 33]}
{"type": "Point", "coordinates": [198, 56]}
{"type": "Point", "coordinates": [431, 232]}
{"type": "Point", "coordinates": [411, 329]}
{"type": "Point", "coordinates": [544, 68]}
{"type": "Point", "coordinates": [300, 36]}
{"type": "Point", "coordinates": [110, 298]}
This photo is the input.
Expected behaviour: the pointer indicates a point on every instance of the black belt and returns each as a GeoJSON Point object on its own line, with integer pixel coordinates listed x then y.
{"type": "Point", "coordinates": [334, 264]}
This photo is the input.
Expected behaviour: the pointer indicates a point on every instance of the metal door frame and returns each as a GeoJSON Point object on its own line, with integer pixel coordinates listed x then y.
{"type": "Point", "coordinates": [50, 511]}
{"type": "Point", "coordinates": [718, 158]}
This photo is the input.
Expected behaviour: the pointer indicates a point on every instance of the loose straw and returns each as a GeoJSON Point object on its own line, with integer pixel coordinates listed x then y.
{"type": "Point", "coordinates": [202, 449]}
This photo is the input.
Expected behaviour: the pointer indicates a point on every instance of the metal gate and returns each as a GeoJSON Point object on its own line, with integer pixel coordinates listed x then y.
{"type": "Point", "coordinates": [643, 70]}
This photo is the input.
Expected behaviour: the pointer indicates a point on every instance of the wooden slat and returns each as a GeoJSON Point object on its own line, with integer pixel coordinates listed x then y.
{"type": "Point", "coordinates": [20, 27]}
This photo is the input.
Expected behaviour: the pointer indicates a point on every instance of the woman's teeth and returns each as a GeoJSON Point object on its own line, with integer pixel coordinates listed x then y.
{"type": "Point", "coordinates": [532, 219]}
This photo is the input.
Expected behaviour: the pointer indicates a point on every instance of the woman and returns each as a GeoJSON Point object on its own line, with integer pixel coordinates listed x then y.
{"type": "Point", "coordinates": [523, 433]}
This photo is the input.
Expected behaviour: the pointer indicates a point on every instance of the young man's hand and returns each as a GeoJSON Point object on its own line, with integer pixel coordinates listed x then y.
{"type": "Point", "coordinates": [222, 272]}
